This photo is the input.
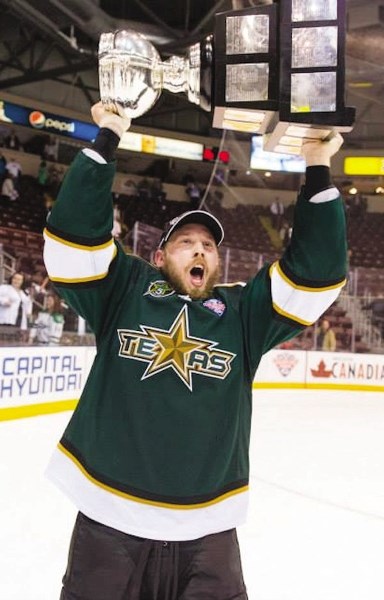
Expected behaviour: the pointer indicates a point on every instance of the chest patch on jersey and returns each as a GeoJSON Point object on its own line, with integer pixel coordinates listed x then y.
{"type": "Point", "coordinates": [175, 349]}
{"type": "Point", "coordinates": [215, 305]}
{"type": "Point", "coordinates": [159, 289]}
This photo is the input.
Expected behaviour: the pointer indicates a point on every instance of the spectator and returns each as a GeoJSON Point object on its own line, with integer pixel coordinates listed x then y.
{"type": "Point", "coordinates": [326, 338]}
{"type": "Point", "coordinates": [220, 176]}
{"type": "Point", "coordinates": [42, 174]}
{"type": "Point", "coordinates": [38, 287]}
{"type": "Point", "coordinates": [14, 169]}
{"type": "Point", "coordinates": [51, 149]}
{"type": "Point", "coordinates": [285, 233]}
{"type": "Point", "coordinates": [8, 188]}
{"type": "Point", "coordinates": [12, 141]}
{"type": "Point", "coordinates": [3, 166]}
{"type": "Point", "coordinates": [116, 229]}
{"type": "Point", "coordinates": [358, 206]}
{"type": "Point", "coordinates": [194, 194]}
{"type": "Point", "coordinates": [47, 329]}
{"type": "Point", "coordinates": [15, 304]}
{"type": "Point", "coordinates": [157, 191]}
{"type": "Point", "coordinates": [55, 175]}
{"type": "Point", "coordinates": [129, 188]}
{"type": "Point", "coordinates": [144, 189]}
{"type": "Point", "coordinates": [277, 213]}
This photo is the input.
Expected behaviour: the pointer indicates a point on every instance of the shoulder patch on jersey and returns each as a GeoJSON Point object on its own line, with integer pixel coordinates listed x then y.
{"type": "Point", "coordinates": [159, 289]}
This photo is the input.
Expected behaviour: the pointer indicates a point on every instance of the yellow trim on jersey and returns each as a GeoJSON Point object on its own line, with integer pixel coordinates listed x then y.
{"type": "Point", "coordinates": [79, 246]}
{"type": "Point", "coordinates": [80, 280]}
{"type": "Point", "coordinates": [304, 287]}
{"type": "Point", "coordinates": [232, 284]}
{"type": "Point", "coordinates": [291, 317]}
{"type": "Point", "coordinates": [144, 500]}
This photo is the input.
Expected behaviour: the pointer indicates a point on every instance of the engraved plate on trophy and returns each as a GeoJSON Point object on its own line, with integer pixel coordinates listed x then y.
{"type": "Point", "coordinates": [314, 47]}
{"type": "Point", "coordinates": [313, 92]}
{"type": "Point", "coordinates": [246, 82]}
{"type": "Point", "coordinates": [247, 35]}
{"type": "Point", "coordinates": [319, 10]}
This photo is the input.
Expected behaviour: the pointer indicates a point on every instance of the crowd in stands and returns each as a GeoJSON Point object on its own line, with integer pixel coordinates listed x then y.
{"type": "Point", "coordinates": [30, 312]}
{"type": "Point", "coordinates": [10, 177]}
{"type": "Point", "coordinates": [253, 233]}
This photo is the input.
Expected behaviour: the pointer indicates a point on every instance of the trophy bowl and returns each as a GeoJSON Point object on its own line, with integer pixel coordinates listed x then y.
{"type": "Point", "coordinates": [130, 73]}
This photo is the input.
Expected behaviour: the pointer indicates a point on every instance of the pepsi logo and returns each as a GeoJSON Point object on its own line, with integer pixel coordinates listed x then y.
{"type": "Point", "coordinates": [37, 119]}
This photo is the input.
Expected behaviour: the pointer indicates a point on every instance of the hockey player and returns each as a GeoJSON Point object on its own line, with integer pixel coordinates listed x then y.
{"type": "Point", "coordinates": [155, 456]}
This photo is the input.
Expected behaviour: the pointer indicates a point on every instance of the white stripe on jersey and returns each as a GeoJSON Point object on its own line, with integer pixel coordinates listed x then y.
{"type": "Point", "coordinates": [67, 262]}
{"type": "Point", "coordinates": [300, 303]}
{"type": "Point", "coordinates": [142, 519]}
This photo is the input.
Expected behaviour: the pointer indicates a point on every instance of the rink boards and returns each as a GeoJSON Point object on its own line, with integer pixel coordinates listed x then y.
{"type": "Point", "coordinates": [36, 381]}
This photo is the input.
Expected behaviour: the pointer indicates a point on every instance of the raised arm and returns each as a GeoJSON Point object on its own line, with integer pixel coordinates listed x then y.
{"type": "Point", "coordinates": [294, 292]}
{"type": "Point", "coordinates": [312, 271]}
{"type": "Point", "coordinates": [79, 248]}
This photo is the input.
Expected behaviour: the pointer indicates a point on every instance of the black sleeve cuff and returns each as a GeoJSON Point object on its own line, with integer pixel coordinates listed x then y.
{"type": "Point", "coordinates": [106, 143]}
{"type": "Point", "coordinates": [317, 179]}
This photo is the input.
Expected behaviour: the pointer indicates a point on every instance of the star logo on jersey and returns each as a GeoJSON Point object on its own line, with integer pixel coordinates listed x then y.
{"type": "Point", "coordinates": [175, 349]}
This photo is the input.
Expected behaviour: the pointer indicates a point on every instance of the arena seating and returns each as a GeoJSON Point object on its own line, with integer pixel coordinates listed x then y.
{"type": "Point", "coordinates": [247, 245]}
{"type": "Point", "coordinates": [366, 240]}
{"type": "Point", "coordinates": [242, 224]}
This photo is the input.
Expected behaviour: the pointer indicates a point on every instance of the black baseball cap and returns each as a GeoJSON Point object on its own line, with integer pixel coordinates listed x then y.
{"type": "Point", "coordinates": [194, 216]}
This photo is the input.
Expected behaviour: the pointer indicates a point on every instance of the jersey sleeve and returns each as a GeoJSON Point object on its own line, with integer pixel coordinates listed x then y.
{"type": "Point", "coordinates": [295, 291]}
{"type": "Point", "coordinates": [82, 259]}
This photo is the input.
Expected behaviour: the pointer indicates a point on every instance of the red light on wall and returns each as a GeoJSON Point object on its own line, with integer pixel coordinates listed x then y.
{"type": "Point", "coordinates": [224, 156]}
{"type": "Point", "coordinates": [210, 154]}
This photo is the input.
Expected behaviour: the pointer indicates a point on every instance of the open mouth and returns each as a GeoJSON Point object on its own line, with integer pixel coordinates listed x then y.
{"type": "Point", "coordinates": [197, 275]}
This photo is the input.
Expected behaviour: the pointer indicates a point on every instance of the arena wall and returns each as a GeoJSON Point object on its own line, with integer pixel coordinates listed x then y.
{"type": "Point", "coordinates": [36, 381]}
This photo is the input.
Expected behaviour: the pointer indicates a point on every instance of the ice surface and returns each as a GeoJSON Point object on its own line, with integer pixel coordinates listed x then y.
{"type": "Point", "coordinates": [316, 523]}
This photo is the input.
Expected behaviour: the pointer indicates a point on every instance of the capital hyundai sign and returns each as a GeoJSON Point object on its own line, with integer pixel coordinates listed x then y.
{"type": "Point", "coordinates": [46, 122]}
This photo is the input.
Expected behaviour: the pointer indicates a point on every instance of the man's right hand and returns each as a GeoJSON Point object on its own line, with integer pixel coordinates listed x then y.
{"type": "Point", "coordinates": [118, 123]}
{"type": "Point", "coordinates": [319, 152]}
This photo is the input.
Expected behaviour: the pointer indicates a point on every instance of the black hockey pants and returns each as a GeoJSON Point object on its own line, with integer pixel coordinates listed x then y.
{"type": "Point", "coordinates": [106, 564]}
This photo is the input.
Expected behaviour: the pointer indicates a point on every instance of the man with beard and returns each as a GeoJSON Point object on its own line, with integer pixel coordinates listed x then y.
{"type": "Point", "coordinates": [188, 256]}
{"type": "Point", "coordinates": [155, 456]}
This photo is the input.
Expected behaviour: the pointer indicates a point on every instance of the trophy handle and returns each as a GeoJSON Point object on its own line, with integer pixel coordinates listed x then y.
{"type": "Point", "coordinates": [192, 74]}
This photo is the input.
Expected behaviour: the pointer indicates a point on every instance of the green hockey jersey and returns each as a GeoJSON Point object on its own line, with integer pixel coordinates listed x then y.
{"type": "Point", "coordinates": [158, 444]}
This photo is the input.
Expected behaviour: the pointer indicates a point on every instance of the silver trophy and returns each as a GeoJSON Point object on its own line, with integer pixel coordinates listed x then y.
{"type": "Point", "coordinates": [279, 71]}
{"type": "Point", "coordinates": [132, 74]}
